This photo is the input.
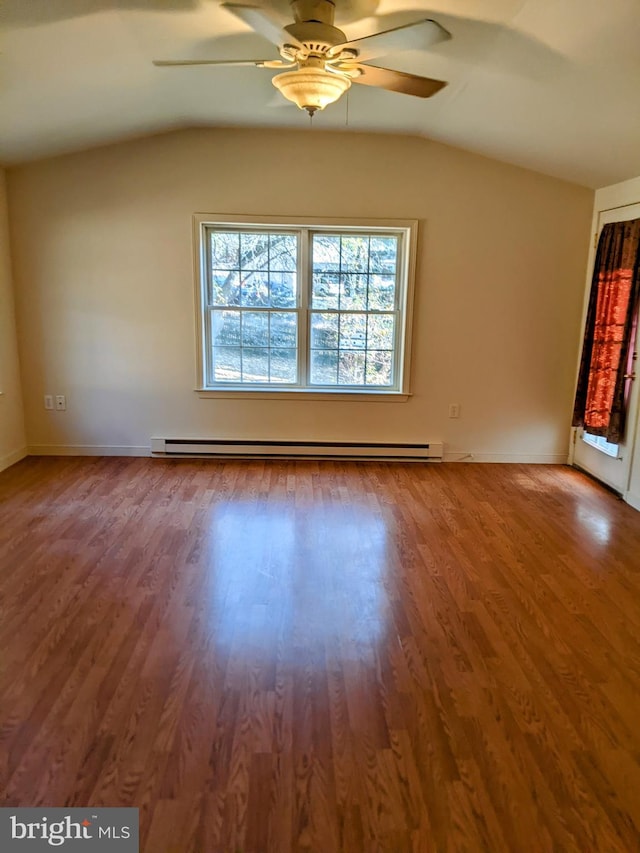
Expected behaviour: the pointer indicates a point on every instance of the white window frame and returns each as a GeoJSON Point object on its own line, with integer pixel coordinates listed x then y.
{"type": "Point", "coordinates": [407, 230]}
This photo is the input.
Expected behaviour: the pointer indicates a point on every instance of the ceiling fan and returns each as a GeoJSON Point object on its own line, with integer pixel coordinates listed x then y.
{"type": "Point", "coordinates": [319, 63]}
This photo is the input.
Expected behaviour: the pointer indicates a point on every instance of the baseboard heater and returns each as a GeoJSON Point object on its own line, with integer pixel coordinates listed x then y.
{"type": "Point", "coordinates": [431, 452]}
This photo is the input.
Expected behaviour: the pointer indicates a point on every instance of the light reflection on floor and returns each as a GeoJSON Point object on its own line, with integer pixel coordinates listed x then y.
{"type": "Point", "coordinates": [595, 523]}
{"type": "Point", "coordinates": [297, 578]}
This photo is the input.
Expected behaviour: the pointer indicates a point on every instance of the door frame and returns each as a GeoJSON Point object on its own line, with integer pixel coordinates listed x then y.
{"type": "Point", "coordinates": [596, 463]}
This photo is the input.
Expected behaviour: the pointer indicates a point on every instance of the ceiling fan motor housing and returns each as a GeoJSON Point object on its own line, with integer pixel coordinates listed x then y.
{"type": "Point", "coordinates": [315, 36]}
{"type": "Point", "coordinates": [313, 25]}
{"type": "Point", "coordinates": [321, 11]}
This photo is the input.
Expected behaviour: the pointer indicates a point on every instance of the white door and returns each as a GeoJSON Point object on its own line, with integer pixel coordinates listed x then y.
{"type": "Point", "coordinates": [611, 465]}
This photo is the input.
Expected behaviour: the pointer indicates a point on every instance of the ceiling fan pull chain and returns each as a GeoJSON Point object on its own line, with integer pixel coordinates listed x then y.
{"type": "Point", "coordinates": [346, 122]}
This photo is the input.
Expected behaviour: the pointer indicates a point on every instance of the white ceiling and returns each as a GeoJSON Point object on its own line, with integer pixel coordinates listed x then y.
{"type": "Point", "coordinates": [552, 85]}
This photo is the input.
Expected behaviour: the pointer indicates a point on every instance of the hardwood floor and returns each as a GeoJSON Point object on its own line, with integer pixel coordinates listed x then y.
{"type": "Point", "coordinates": [300, 656]}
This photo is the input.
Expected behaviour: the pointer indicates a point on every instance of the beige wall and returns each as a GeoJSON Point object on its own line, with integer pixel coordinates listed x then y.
{"type": "Point", "coordinates": [103, 272]}
{"type": "Point", "coordinates": [12, 436]}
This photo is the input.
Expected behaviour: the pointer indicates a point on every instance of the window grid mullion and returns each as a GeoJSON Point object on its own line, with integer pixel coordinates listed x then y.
{"type": "Point", "coordinates": [340, 311]}
{"type": "Point", "coordinates": [269, 344]}
{"type": "Point", "coordinates": [304, 277]}
{"type": "Point", "coordinates": [241, 338]}
{"type": "Point", "coordinates": [269, 312]}
{"type": "Point", "coordinates": [366, 320]}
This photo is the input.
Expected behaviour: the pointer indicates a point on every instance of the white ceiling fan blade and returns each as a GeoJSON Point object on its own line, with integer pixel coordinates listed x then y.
{"type": "Point", "coordinates": [397, 81]}
{"type": "Point", "coordinates": [262, 22]}
{"type": "Point", "coordinates": [258, 63]}
{"type": "Point", "coordinates": [416, 36]}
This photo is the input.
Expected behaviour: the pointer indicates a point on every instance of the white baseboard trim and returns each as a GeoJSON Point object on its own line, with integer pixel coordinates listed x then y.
{"type": "Point", "coordinates": [86, 450]}
{"type": "Point", "coordinates": [512, 458]}
{"type": "Point", "coordinates": [115, 450]}
{"type": "Point", "coordinates": [633, 499]}
{"type": "Point", "coordinates": [11, 458]}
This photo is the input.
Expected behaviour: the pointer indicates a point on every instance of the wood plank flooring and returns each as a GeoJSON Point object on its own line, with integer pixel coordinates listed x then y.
{"type": "Point", "coordinates": [273, 656]}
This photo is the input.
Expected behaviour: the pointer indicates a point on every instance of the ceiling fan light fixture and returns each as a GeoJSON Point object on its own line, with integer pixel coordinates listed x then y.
{"type": "Point", "coordinates": [311, 89]}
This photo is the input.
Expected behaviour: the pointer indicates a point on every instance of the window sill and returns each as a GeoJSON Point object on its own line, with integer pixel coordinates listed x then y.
{"type": "Point", "coordinates": [304, 394]}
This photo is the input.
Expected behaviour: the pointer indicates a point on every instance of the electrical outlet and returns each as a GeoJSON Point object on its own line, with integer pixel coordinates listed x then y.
{"type": "Point", "coordinates": [48, 401]}
{"type": "Point", "coordinates": [61, 402]}
{"type": "Point", "coordinates": [454, 410]}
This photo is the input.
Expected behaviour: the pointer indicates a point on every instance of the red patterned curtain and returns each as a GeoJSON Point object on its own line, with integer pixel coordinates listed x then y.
{"type": "Point", "coordinates": [603, 383]}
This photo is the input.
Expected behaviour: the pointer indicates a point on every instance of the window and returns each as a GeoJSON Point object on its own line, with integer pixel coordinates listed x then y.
{"type": "Point", "coordinates": [304, 307]}
{"type": "Point", "coordinates": [601, 443]}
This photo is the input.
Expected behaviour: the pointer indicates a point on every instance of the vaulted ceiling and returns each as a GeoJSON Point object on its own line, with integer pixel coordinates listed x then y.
{"type": "Point", "coordinates": [552, 85]}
